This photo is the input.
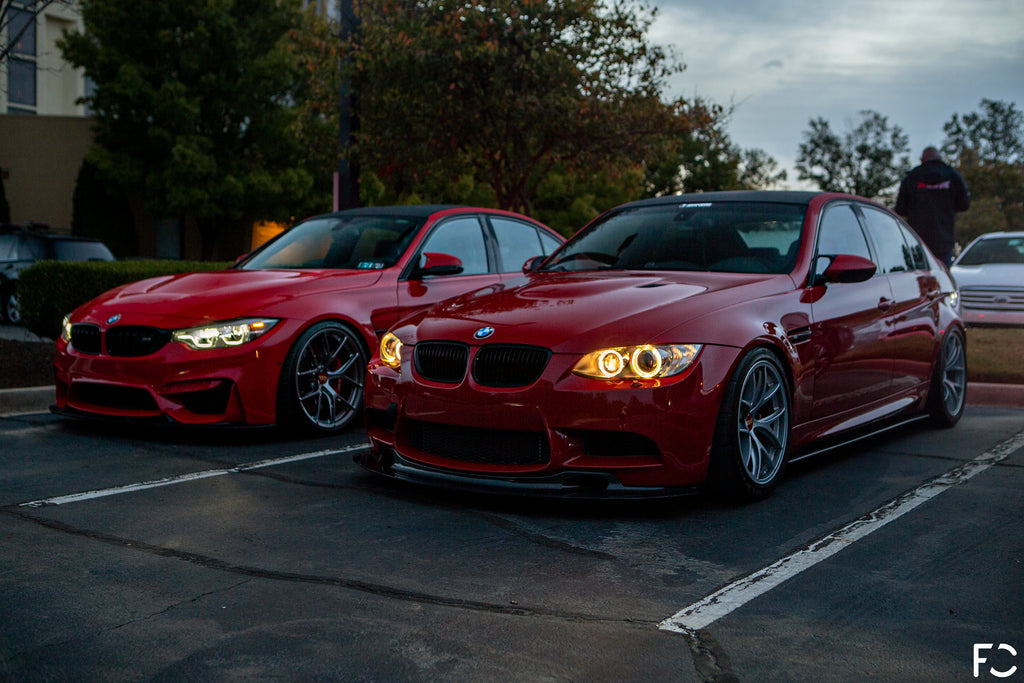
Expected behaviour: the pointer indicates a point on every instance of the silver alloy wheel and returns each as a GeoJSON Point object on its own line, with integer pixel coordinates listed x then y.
{"type": "Point", "coordinates": [763, 422]}
{"type": "Point", "coordinates": [954, 374]}
{"type": "Point", "coordinates": [12, 308]}
{"type": "Point", "coordinates": [329, 377]}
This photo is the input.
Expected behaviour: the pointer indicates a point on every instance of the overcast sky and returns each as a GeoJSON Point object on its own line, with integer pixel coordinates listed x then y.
{"type": "Point", "coordinates": [784, 62]}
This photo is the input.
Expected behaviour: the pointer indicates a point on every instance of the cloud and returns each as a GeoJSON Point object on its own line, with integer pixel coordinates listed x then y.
{"type": "Point", "coordinates": [781, 64]}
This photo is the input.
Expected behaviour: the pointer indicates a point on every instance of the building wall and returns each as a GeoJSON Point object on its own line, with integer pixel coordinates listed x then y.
{"type": "Point", "coordinates": [57, 85]}
{"type": "Point", "coordinates": [39, 158]}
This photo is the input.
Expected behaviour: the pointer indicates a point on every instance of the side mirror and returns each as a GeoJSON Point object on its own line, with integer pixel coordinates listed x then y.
{"type": "Point", "coordinates": [532, 264]}
{"type": "Point", "coordinates": [849, 268]}
{"type": "Point", "coordinates": [432, 263]}
{"type": "Point", "coordinates": [240, 259]}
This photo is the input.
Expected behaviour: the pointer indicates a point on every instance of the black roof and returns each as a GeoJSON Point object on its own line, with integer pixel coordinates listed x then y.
{"type": "Point", "coordinates": [410, 211]}
{"type": "Point", "coordinates": [771, 196]}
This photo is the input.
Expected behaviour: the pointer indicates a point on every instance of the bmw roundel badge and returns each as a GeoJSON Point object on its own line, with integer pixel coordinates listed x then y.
{"type": "Point", "coordinates": [483, 333]}
{"type": "Point", "coordinates": [113, 319]}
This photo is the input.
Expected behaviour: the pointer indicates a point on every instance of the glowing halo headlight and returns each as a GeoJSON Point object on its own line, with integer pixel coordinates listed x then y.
{"type": "Point", "coordinates": [391, 351]}
{"type": "Point", "coordinates": [220, 335]}
{"type": "Point", "coordinates": [610, 363]}
{"type": "Point", "coordinates": [647, 361]}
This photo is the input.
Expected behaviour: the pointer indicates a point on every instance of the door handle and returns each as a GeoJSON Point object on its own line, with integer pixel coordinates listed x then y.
{"type": "Point", "coordinates": [885, 305]}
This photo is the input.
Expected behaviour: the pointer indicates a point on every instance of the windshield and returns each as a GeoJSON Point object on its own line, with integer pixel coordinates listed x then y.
{"type": "Point", "coordinates": [731, 237]}
{"type": "Point", "coordinates": [344, 242]}
{"type": "Point", "coordinates": [994, 250]}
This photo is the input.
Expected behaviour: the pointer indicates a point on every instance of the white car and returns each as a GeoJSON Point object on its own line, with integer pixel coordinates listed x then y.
{"type": "Point", "coordinates": [990, 274]}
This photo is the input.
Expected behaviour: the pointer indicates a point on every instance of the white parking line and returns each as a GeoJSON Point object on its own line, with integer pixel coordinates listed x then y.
{"type": "Point", "coordinates": [182, 478]}
{"type": "Point", "coordinates": [705, 612]}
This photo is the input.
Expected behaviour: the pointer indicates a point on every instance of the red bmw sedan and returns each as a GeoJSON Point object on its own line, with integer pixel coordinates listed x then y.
{"type": "Point", "coordinates": [689, 341]}
{"type": "Point", "coordinates": [283, 336]}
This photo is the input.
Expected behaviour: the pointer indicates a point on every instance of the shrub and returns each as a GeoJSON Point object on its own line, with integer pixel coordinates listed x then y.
{"type": "Point", "coordinates": [49, 290]}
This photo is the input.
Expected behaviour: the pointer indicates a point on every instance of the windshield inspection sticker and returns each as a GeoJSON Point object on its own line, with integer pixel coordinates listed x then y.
{"type": "Point", "coordinates": [370, 265]}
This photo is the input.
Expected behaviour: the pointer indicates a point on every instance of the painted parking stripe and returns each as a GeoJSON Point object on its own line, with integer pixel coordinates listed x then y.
{"type": "Point", "coordinates": [194, 476]}
{"type": "Point", "coordinates": [705, 612]}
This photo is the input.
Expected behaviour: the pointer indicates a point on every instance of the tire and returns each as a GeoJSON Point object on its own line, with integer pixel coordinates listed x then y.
{"type": "Point", "coordinates": [748, 457]}
{"type": "Point", "coordinates": [948, 393]}
{"type": "Point", "coordinates": [321, 386]}
{"type": "Point", "coordinates": [10, 305]}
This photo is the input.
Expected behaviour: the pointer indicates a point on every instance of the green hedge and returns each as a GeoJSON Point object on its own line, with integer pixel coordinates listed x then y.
{"type": "Point", "coordinates": [49, 290]}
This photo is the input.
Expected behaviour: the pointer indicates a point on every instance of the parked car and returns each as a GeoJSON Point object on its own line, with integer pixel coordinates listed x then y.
{"type": "Point", "coordinates": [21, 246]}
{"type": "Point", "coordinates": [990, 274]}
{"type": "Point", "coordinates": [696, 340]}
{"type": "Point", "coordinates": [283, 336]}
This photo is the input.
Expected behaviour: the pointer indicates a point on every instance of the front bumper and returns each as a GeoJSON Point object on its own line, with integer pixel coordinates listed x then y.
{"type": "Point", "coordinates": [217, 386]}
{"type": "Point", "coordinates": [563, 435]}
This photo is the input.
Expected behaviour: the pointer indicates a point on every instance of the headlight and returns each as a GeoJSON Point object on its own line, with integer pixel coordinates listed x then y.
{"type": "Point", "coordinates": [391, 351]}
{"type": "Point", "coordinates": [224, 334]}
{"type": "Point", "coordinates": [637, 362]}
{"type": "Point", "coordinates": [65, 329]}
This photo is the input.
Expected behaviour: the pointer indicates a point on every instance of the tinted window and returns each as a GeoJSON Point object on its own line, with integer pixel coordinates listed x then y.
{"type": "Point", "coordinates": [518, 242]}
{"type": "Point", "coordinates": [8, 247]}
{"type": "Point", "coordinates": [738, 237]}
{"type": "Point", "coordinates": [917, 256]}
{"type": "Point", "coordinates": [894, 254]}
{"type": "Point", "coordinates": [989, 250]}
{"type": "Point", "coordinates": [345, 242]}
{"type": "Point", "coordinates": [548, 242]}
{"type": "Point", "coordinates": [74, 250]}
{"type": "Point", "coordinates": [33, 248]}
{"type": "Point", "coordinates": [841, 233]}
{"type": "Point", "coordinates": [462, 238]}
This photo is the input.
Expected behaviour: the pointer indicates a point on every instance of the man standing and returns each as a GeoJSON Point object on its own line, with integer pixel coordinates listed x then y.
{"type": "Point", "coordinates": [929, 197]}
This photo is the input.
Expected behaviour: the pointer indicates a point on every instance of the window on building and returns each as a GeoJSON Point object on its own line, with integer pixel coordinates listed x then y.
{"type": "Point", "coordinates": [21, 82]}
{"type": "Point", "coordinates": [22, 30]}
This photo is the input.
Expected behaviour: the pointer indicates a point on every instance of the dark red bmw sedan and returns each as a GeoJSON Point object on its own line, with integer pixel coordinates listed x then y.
{"type": "Point", "coordinates": [672, 343]}
{"type": "Point", "coordinates": [284, 336]}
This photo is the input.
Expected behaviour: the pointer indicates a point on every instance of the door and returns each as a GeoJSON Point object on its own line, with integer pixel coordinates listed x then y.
{"type": "Point", "coordinates": [913, 320]}
{"type": "Point", "coordinates": [462, 237]}
{"type": "Point", "coordinates": [848, 346]}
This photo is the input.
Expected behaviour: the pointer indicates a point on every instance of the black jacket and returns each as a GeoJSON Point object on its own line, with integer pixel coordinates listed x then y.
{"type": "Point", "coordinates": [929, 196]}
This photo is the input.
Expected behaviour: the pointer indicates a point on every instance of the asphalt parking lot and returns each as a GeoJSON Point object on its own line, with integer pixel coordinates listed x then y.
{"type": "Point", "coordinates": [221, 554]}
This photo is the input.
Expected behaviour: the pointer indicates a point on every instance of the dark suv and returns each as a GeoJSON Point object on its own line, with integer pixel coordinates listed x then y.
{"type": "Point", "coordinates": [21, 246]}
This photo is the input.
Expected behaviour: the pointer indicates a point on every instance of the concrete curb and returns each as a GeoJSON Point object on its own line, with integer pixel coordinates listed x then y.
{"type": "Point", "coordinates": [38, 399]}
{"type": "Point", "coordinates": [25, 401]}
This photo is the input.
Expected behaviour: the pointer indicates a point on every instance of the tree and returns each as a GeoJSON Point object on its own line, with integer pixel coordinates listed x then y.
{"type": "Point", "coordinates": [869, 160]}
{"type": "Point", "coordinates": [704, 159]}
{"type": "Point", "coordinates": [987, 147]}
{"type": "Point", "coordinates": [101, 210]}
{"type": "Point", "coordinates": [5, 207]}
{"type": "Point", "coordinates": [194, 107]}
{"type": "Point", "coordinates": [509, 92]}
{"type": "Point", "coordinates": [995, 135]}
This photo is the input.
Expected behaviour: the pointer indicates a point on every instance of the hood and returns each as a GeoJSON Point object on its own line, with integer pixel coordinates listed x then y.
{"type": "Point", "coordinates": [989, 275]}
{"type": "Point", "coordinates": [576, 312]}
{"type": "Point", "coordinates": [215, 295]}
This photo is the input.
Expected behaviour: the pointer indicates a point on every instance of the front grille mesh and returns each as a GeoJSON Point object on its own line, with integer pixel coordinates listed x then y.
{"type": "Point", "coordinates": [85, 338]}
{"type": "Point", "coordinates": [993, 298]}
{"type": "Point", "coordinates": [135, 340]}
{"type": "Point", "coordinates": [509, 366]}
{"type": "Point", "coordinates": [443, 362]}
{"type": "Point", "coordinates": [478, 445]}
{"type": "Point", "coordinates": [125, 341]}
